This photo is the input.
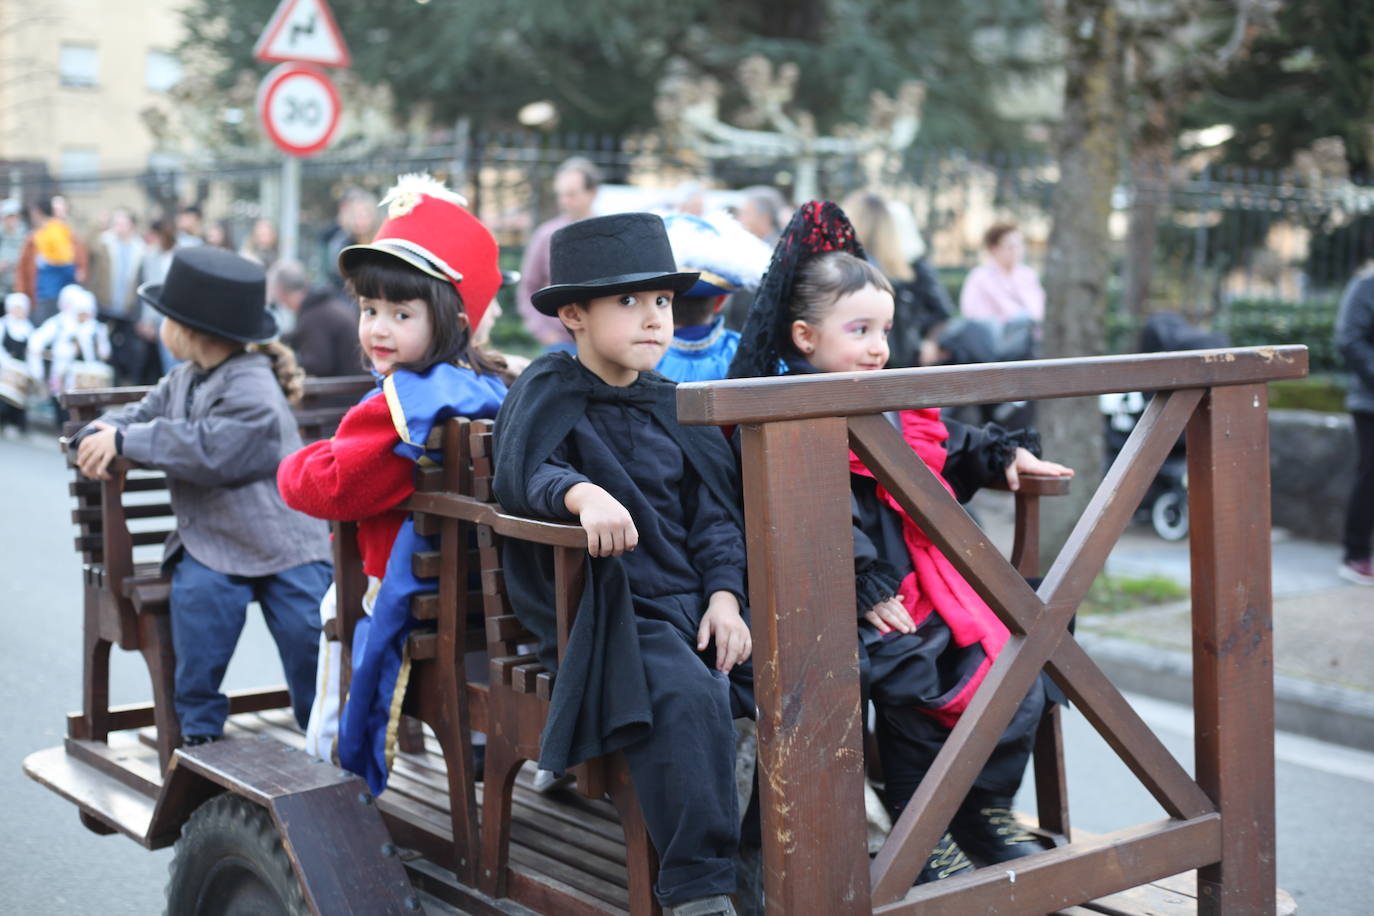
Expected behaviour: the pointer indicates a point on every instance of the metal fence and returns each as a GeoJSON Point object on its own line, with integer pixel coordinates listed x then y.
{"type": "Point", "coordinates": [1220, 236]}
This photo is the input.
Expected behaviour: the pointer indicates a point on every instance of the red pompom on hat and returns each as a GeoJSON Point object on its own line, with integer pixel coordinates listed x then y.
{"type": "Point", "coordinates": [429, 227]}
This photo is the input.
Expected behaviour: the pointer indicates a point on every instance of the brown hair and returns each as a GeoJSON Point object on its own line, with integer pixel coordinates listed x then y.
{"type": "Point", "coordinates": [375, 275]}
{"type": "Point", "coordinates": [877, 231]}
{"type": "Point", "coordinates": [996, 232]}
{"type": "Point", "coordinates": [825, 279]}
{"type": "Point", "coordinates": [290, 376]}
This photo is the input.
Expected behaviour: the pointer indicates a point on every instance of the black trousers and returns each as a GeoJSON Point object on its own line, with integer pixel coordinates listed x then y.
{"type": "Point", "coordinates": [1359, 513]}
{"type": "Point", "coordinates": [684, 772]}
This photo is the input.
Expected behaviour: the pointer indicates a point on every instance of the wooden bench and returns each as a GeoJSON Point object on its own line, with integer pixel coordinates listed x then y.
{"type": "Point", "coordinates": [126, 595]}
{"type": "Point", "coordinates": [510, 706]}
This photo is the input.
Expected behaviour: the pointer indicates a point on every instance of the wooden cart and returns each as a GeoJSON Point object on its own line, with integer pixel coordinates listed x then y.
{"type": "Point", "coordinates": [258, 823]}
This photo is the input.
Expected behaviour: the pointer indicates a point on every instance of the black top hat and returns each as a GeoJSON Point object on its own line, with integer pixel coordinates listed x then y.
{"type": "Point", "coordinates": [215, 291]}
{"type": "Point", "coordinates": [605, 255]}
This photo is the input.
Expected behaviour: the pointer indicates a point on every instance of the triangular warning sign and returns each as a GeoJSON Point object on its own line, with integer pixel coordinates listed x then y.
{"type": "Point", "coordinates": [303, 31]}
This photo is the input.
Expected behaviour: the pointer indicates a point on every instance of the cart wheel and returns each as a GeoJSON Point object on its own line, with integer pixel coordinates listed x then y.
{"type": "Point", "coordinates": [229, 861]}
{"type": "Point", "coordinates": [1169, 514]}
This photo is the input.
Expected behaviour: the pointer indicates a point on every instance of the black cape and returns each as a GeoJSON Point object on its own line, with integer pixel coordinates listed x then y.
{"type": "Point", "coordinates": [600, 698]}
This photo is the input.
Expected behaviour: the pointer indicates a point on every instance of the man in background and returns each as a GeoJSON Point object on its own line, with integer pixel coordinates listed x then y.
{"type": "Point", "coordinates": [574, 186]}
{"type": "Point", "coordinates": [318, 325]}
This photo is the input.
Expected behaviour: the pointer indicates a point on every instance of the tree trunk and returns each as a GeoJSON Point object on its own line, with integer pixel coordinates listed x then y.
{"type": "Point", "coordinates": [1079, 261]}
{"type": "Point", "coordinates": [1152, 152]}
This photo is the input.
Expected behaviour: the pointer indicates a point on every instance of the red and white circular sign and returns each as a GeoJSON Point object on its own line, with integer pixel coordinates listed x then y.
{"type": "Point", "coordinates": [299, 106]}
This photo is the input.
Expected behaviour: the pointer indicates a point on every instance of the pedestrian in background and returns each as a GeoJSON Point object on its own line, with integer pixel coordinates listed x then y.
{"type": "Point", "coordinates": [52, 258]}
{"type": "Point", "coordinates": [1004, 287]}
{"type": "Point", "coordinates": [1355, 340]}
{"type": "Point", "coordinates": [319, 325]}
{"type": "Point", "coordinates": [15, 380]}
{"type": "Point", "coordinates": [922, 304]}
{"type": "Point", "coordinates": [355, 224]}
{"type": "Point", "coordinates": [261, 244]}
{"type": "Point", "coordinates": [575, 185]}
{"type": "Point", "coordinates": [12, 234]}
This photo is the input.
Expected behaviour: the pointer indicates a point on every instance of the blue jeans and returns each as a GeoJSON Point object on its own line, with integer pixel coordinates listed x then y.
{"type": "Point", "coordinates": [208, 612]}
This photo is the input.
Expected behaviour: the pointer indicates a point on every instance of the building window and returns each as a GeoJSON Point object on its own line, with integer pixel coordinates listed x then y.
{"type": "Point", "coordinates": [161, 71]}
{"type": "Point", "coordinates": [80, 165]}
{"type": "Point", "coordinates": [78, 66]}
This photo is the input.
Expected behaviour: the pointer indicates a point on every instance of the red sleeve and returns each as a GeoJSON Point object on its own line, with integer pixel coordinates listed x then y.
{"type": "Point", "coordinates": [354, 475]}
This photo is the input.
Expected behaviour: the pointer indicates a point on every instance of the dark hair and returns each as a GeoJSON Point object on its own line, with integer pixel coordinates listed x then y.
{"type": "Point", "coordinates": [44, 205]}
{"type": "Point", "coordinates": [166, 232]}
{"type": "Point", "coordinates": [693, 310]}
{"type": "Point", "coordinates": [192, 209]}
{"type": "Point", "coordinates": [996, 232]}
{"type": "Point", "coordinates": [375, 275]}
{"type": "Point", "coordinates": [823, 280]}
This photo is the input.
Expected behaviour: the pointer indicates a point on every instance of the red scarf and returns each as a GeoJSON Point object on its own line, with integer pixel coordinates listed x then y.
{"type": "Point", "coordinates": [935, 585]}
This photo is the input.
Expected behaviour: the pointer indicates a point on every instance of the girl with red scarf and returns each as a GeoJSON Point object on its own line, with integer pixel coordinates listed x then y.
{"type": "Point", "coordinates": [926, 638]}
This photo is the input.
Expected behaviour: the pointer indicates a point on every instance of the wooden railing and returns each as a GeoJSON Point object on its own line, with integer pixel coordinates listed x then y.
{"type": "Point", "coordinates": [796, 433]}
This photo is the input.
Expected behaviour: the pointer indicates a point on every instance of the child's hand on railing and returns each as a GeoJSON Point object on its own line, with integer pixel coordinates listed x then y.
{"type": "Point", "coordinates": [610, 530]}
{"type": "Point", "coordinates": [723, 623]}
{"type": "Point", "coordinates": [95, 452]}
{"type": "Point", "coordinates": [890, 614]}
{"type": "Point", "coordinates": [1026, 463]}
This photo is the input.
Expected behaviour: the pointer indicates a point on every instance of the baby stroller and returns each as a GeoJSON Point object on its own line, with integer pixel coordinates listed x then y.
{"type": "Point", "coordinates": [1165, 504]}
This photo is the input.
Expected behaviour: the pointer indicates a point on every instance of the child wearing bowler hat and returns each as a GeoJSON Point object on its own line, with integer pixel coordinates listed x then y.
{"type": "Point", "coordinates": [218, 424]}
{"type": "Point", "coordinates": [656, 664]}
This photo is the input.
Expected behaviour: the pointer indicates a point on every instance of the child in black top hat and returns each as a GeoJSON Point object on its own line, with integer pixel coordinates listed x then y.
{"type": "Point", "coordinates": [595, 438]}
{"type": "Point", "coordinates": [218, 424]}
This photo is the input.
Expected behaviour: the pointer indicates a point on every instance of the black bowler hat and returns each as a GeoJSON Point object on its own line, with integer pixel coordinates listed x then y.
{"type": "Point", "coordinates": [605, 255]}
{"type": "Point", "coordinates": [215, 291]}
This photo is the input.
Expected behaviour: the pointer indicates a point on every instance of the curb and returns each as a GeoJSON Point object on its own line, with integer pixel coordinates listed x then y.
{"type": "Point", "coordinates": [1336, 714]}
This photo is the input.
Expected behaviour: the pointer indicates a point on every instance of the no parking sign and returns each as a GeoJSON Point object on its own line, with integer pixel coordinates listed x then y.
{"type": "Point", "coordinates": [299, 107]}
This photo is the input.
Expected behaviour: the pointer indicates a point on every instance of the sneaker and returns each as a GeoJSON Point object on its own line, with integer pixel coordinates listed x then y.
{"type": "Point", "coordinates": [1361, 572]}
{"type": "Point", "coordinates": [989, 833]}
{"type": "Point", "coordinates": [198, 740]}
{"type": "Point", "coordinates": [946, 859]}
{"type": "Point", "coordinates": [718, 905]}
{"type": "Point", "coordinates": [546, 781]}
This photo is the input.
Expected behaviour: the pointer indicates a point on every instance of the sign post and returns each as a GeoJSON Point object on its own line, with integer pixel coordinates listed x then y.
{"type": "Point", "coordinates": [297, 102]}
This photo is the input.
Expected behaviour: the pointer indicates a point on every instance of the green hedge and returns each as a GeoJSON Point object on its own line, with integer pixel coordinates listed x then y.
{"type": "Point", "coordinates": [1258, 322]}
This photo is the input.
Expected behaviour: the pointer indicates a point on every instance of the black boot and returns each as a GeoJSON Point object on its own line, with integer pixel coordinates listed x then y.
{"type": "Point", "coordinates": [988, 832]}
{"type": "Point", "coordinates": [946, 859]}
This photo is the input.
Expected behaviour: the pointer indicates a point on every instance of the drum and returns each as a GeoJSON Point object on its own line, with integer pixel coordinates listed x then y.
{"type": "Point", "coordinates": [88, 373]}
{"type": "Point", "coordinates": [15, 381]}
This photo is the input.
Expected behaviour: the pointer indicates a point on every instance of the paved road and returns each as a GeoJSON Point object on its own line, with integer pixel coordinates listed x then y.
{"type": "Point", "coordinates": [54, 866]}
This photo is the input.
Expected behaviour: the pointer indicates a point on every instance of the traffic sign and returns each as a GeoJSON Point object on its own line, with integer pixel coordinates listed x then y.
{"type": "Point", "coordinates": [303, 31]}
{"type": "Point", "coordinates": [299, 106]}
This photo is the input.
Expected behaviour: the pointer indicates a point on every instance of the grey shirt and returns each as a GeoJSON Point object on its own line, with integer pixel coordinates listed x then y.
{"type": "Point", "coordinates": [219, 436]}
{"type": "Point", "coordinates": [1355, 341]}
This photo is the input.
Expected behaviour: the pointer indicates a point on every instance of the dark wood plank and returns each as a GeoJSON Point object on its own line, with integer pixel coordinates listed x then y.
{"type": "Point", "coordinates": [1057, 878]}
{"type": "Point", "coordinates": [796, 487]}
{"type": "Point", "coordinates": [1233, 650]}
{"type": "Point", "coordinates": [741, 401]}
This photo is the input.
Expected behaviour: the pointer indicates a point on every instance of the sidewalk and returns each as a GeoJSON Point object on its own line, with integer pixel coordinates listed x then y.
{"type": "Point", "coordinates": [1323, 631]}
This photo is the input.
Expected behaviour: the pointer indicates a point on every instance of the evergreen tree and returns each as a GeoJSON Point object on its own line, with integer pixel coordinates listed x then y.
{"type": "Point", "coordinates": [601, 61]}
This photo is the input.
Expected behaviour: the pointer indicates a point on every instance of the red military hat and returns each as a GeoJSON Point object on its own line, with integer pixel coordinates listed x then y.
{"type": "Point", "coordinates": [429, 227]}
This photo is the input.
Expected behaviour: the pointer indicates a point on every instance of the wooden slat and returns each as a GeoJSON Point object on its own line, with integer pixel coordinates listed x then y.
{"type": "Point", "coordinates": [84, 487]}
{"type": "Point", "coordinates": [132, 510]}
{"type": "Point", "coordinates": [1233, 649]}
{"type": "Point", "coordinates": [796, 486]}
{"type": "Point", "coordinates": [740, 401]}
{"type": "Point", "coordinates": [424, 607]}
{"type": "Point", "coordinates": [91, 542]}
{"type": "Point", "coordinates": [504, 628]}
{"type": "Point", "coordinates": [466, 508]}
{"type": "Point", "coordinates": [1090, 868]}
{"type": "Point", "coordinates": [502, 667]}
